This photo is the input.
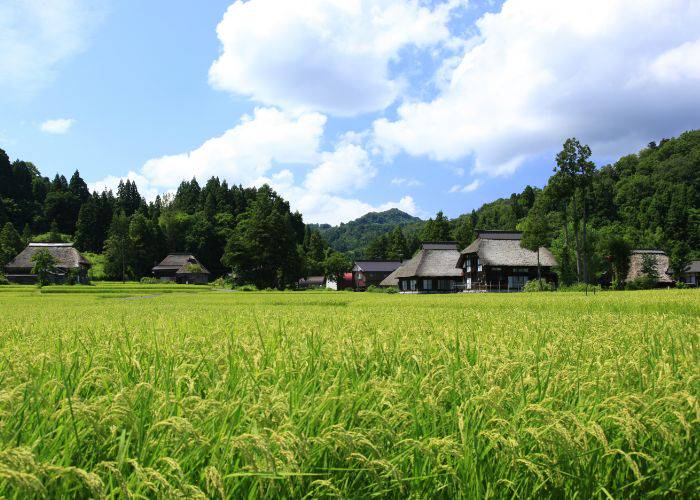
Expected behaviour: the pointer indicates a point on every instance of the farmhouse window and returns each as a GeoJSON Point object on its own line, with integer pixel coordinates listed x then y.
{"type": "Point", "coordinates": [427, 284]}
{"type": "Point", "coordinates": [478, 265]}
{"type": "Point", "coordinates": [469, 283]}
{"type": "Point", "coordinates": [516, 282]}
{"type": "Point", "coordinates": [413, 285]}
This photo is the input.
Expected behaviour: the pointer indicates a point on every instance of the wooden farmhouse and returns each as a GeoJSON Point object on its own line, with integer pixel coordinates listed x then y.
{"type": "Point", "coordinates": [495, 262]}
{"type": "Point", "coordinates": [661, 263]}
{"type": "Point", "coordinates": [69, 264]}
{"type": "Point", "coordinates": [182, 268]}
{"type": "Point", "coordinates": [371, 272]}
{"type": "Point", "coordinates": [431, 270]}
{"type": "Point", "coordinates": [392, 279]}
{"type": "Point", "coordinates": [691, 275]}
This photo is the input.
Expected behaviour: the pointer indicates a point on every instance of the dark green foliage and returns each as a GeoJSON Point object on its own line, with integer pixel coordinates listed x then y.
{"type": "Point", "coordinates": [263, 249]}
{"type": "Point", "coordinates": [536, 234]}
{"type": "Point", "coordinates": [336, 265]}
{"type": "Point", "coordinates": [44, 265]}
{"type": "Point", "coordinates": [649, 267]}
{"type": "Point", "coordinates": [437, 229]}
{"type": "Point", "coordinates": [353, 237]}
{"type": "Point", "coordinates": [11, 243]}
{"type": "Point", "coordinates": [119, 249]}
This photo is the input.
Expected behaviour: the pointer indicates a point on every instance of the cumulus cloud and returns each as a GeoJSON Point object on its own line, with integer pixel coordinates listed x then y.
{"type": "Point", "coordinates": [35, 36]}
{"type": "Point", "coordinates": [248, 152]}
{"type": "Point", "coordinates": [346, 169]}
{"type": "Point", "coordinates": [245, 152]}
{"type": "Point", "coordinates": [401, 181]}
{"type": "Point", "coordinates": [613, 73]}
{"type": "Point", "coordinates": [472, 186]}
{"type": "Point", "coordinates": [327, 55]}
{"type": "Point", "coordinates": [57, 126]}
{"type": "Point", "coordinates": [324, 207]}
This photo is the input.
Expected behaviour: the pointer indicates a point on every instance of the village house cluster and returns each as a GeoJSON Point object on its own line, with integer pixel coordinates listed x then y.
{"type": "Point", "coordinates": [494, 262]}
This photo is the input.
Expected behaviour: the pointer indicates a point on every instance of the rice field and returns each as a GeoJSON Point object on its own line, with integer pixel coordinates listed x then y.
{"type": "Point", "coordinates": [162, 391]}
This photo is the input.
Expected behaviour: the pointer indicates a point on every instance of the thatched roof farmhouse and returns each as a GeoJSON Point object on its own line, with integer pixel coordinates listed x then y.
{"type": "Point", "coordinates": [182, 268]}
{"type": "Point", "coordinates": [495, 261]}
{"type": "Point", "coordinates": [67, 258]}
{"type": "Point", "coordinates": [431, 270]}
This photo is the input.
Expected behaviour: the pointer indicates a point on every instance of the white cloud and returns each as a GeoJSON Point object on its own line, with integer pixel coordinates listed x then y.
{"type": "Point", "coordinates": [472, 186]}
{"type": "Point", "coordinates": [346, 169]}
{"type": "Point", "coordinates": [57, 126]}
{"type": "Point", "coordinates": [37, 35]}
{"type": "Point", "coordinates": [401, 181]}
{"type": "Point", "coordinates": [245, 152]}
{"type": "Point", "coordinates": [326, 55]}
{"type": "Point", "coordinates": [111, 182]}
{"type": "Point", "coordinates": [616, 74]}
{"type": "Point", "coordinates": [322, 207]}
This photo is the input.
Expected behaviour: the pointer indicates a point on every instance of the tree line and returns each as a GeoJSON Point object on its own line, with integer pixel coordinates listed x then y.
{"type": "Point", "coordinates": [590, 217]}
{"type": "Point", "coordinates": [249, 233]}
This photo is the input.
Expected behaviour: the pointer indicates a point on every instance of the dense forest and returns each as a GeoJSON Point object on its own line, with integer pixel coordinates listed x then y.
{"type": "Point", "coordinates": [250, 232]}
{"type": "Point", "coordinates": [646, 200]}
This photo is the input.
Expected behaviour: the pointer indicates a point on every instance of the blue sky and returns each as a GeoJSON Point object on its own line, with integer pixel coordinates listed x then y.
{"type": "Point", "coordinates": [343, 106]}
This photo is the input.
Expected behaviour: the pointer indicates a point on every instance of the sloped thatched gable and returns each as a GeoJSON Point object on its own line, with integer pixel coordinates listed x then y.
{"type": "Point", "coordinates": [67, 258]}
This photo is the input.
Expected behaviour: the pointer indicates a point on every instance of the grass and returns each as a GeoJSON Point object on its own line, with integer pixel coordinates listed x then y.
{"type": "Point", "coordinates": [356, 395]}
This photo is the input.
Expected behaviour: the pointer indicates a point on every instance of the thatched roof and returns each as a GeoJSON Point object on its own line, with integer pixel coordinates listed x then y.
{"type": "Point", "coordinates": [179, 262]}
{"type": "Point", "coordinates": [636, 260]}
{"type": "Point", "coordinates": [392, 279]}
{"type": "Point", "coordinates": [312, 281]}
{"type": "Point", "coordinates": [433, 259]}
{"type": "Point", "coordinates": [502, 248]}
{"type": "Point", "coordinates": [65, 255]}
{"type": "Point", "coordinates": [371, 266]}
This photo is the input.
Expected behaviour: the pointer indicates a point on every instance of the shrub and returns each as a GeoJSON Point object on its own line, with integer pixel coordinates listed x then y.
{"type": "Point", "coordinates": [580, 287]}
{"type": "Point", "coordinates": [149, 281]}
{"type": "Point", "coordinates": [534, 286]}
{"type": "Point", "coordinates": [641, 283]}
{"type": "Point", "coordinates": [246, 288]}
{"type": "Point", "coordinates": [377, 289]}
{"type": "Point", "coordinates": [3, 280]}
{"type": "Point", "coordinates": [681, 284]}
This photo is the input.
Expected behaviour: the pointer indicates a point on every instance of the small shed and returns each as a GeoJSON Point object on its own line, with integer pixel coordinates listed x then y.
{"type": "Point", "coordinates": [70, 264]}
{"type": "Point", "coordinates": [182, 268]}
{"type": "Point", "coordinates": [637, 257]}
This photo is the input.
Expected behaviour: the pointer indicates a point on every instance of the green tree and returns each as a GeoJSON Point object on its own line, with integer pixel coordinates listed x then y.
{"type": "Point", "coordinates": [397, 247]}
{"type": "Point", "coordinates": [437, 229]}
{"type": "Point", "coordinates": [463, 232]}
{"type": "Point", "coordinates": [10, 244]}
{"type": "Point", "coordinates": [649, 269]}
{"type": "Point", "coordinates": [378, 249]}
{"type": "Point", "coordinates": [87, 237]}
{"type": "Point", "coordinates": [536, 234]}
{"type": "Point", "coordinates": [336, 265]}
{"type": "Point", "coordinates": [262, 249]}
{"type": "Point", "coordinates": [679, 259]}
{"type": "Point", "coordinates": [617, 253]}
{"type": "Point", "coordinates": [44, 266]}
{"type": "Point", "coordinates": [576, 170]}
{"type": "Point", "coordinates": [118, 254]}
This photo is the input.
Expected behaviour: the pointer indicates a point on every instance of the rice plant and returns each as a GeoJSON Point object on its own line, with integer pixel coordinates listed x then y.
{"type": "Point", "coordinates": [211, 394]}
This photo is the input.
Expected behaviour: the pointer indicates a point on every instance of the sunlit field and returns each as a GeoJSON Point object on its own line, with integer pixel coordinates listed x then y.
{"type": "Point", "coordinates": [159, 391]}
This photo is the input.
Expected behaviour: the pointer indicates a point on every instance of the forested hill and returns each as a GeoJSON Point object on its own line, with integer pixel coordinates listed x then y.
{"type": "Point", "coordinates": [354, 236]}
{"type": "Point", "coordinates": [650, 198]}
